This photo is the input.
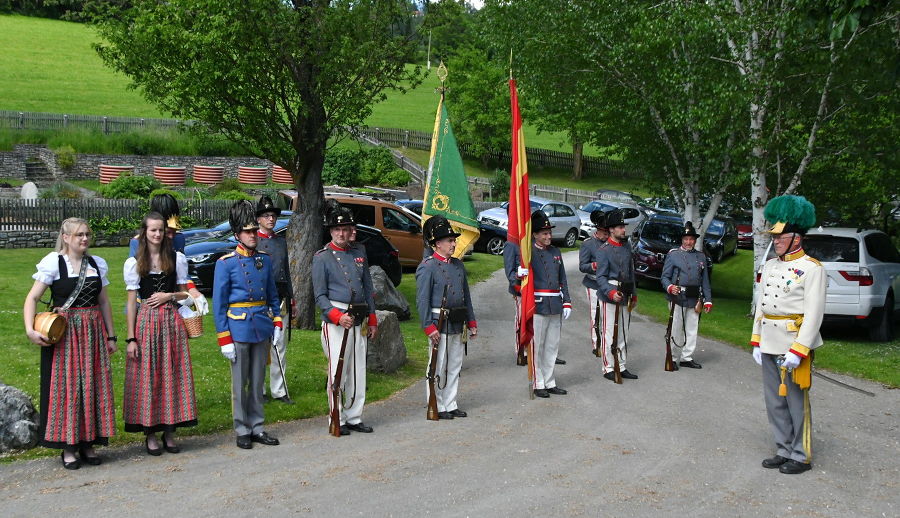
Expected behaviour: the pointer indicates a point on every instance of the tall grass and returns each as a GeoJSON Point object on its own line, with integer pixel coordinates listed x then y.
{"type": "Point", "coordinates": [143, 142]}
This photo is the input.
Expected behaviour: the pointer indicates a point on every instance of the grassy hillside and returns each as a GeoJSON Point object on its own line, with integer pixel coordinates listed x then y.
{"type": "Point", "coordinates": [50, 66]}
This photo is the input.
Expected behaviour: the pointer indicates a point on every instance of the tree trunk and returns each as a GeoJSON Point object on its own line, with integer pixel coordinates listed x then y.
{"type": "Point", "coordinates": [305, 235]}
{"type": "Point", "coordinates": [578, 159]}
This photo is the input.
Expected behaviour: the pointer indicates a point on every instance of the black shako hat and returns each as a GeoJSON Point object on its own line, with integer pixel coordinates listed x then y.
{"type": "Point", "coordinates": [598, 217]}
{"type": "Point", "coordinates": [334, 214]}
{"type": "Point", "coordinates": [540, 221]}
{"type": "Point", "coordinates": [242, 217]}
{"type": "Point", "coordinates": [438, 227]}
{"type": "Point", "coordinates": [614, 218]}
{"type": "Point", "coordinates": [688, 230]}
{"type": "Point", "coordinates": [167, 205]}
{"type": "Point", "coordinates": [264, 205]}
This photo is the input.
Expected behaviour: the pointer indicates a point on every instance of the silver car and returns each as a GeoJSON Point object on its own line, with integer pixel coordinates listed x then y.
{"type": "Point", "coordinates": [563, 217]}
{"type": "Point", "coordinates": [633, 215]}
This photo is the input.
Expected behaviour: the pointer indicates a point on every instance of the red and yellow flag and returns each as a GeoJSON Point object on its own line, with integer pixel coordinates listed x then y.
{"type": "Point", "coordinates": [519, 230]}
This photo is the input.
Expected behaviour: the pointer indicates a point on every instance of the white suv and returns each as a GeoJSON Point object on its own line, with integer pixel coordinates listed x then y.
{"type": "Point", "coordinates": [863, 268]}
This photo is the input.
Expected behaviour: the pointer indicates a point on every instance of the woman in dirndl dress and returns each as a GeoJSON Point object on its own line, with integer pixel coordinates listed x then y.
{"type": "Point", "coordinates": [159, 380]}
{"type": "Point", "coordinates": [77, 407]}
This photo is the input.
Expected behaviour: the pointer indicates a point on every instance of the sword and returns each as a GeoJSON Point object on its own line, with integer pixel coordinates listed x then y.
{"type": "Point", "coordinates": [841, 383]}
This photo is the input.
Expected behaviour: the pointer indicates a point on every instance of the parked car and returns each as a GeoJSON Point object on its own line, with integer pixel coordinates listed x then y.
{"type": "Point", "coordinates": [564, 217]}
{"type": "Point", "coordinates": [633, 215]}
{"type": "Point", "coordinates": [220, 230]}
{"type": "Point", "coordinates": [492, 239]}
{"type": "Point", "coordinates": [398, 225]}
{"type": "Point", "coordinates": [744, 227]}
{"type": "Point", "coordinates": [652, 240]}
{"type": "Point", "coordinates": [619, 196]}
{"type": "Point", "coordinates": [411, 205]}
{"type": "Point", "coordinates": [202, 255]}
{"type": "Point", "coordinates": [863, 268]}
{"type": "Point", "coordinates": [721, 239]}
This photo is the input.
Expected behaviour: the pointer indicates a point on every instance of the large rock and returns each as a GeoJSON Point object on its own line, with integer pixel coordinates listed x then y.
{"type": "Point", "coordinates": [29, 191]}
{"type": "Point", "coordinates": [387, 297]}
{"type": "Point", "coordinates": [387, 352]}
{"type": "Point", "coordinates": [18, 420]}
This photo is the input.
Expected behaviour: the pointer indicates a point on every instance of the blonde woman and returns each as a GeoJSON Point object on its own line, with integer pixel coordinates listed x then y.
{"type": "Point", "coordinates": [77, 409]}
{"type": "Point", "coordinates": [159, 381]}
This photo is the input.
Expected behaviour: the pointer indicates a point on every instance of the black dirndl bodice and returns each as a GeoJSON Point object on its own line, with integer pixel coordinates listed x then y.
{"type": "Point", "coordinates": [63, 287]}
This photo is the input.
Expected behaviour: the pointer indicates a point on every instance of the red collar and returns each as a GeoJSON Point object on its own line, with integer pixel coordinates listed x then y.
{"type": "Point", "coordinates": [335, 247]}
{"type": "Point", "coordinates": [539, 247]}
{"type": "Point", "coordinates": [241, 250]}
{"type": "Point", "coordinates": [441, 258]}
{"type": "Point", "coordinates": [613, 242]}
{"type": "Point", "coordinates": [263, 234]}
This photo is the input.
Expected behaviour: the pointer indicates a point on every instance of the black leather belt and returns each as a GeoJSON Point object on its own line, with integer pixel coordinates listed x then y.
{"type": "Point", "coordinates": [691, 292]}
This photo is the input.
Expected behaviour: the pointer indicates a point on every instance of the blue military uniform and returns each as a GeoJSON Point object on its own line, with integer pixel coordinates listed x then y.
{"type": "Point", "coordinates": [687, 270]}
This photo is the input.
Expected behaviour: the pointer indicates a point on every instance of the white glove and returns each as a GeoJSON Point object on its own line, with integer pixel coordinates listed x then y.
{"type": "Point", "coordinates": [757, 355]}
{"type": "Point", "coordinates": [278, 337]}
{"type": "Point", "coordinates": [186, 302]}
{"type": "Point", "coordinates": [201, 305]}
{"type": "Point", "coordinates": [522, 272]}
{"type": "Point", "coordinates": [566, 313]}
{"type": "Point", "coordinates": [228, 352]}
{"type": "Point", "coordinates": [791, 361]}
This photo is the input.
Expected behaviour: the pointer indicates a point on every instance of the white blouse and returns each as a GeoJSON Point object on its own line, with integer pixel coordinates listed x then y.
{"type": "Point", "coordinates": [48, 269]}
{"type": "Point", "coordinates": [133, 280]}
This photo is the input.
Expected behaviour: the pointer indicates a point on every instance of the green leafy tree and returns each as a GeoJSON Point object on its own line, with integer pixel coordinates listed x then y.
{"type": "Point", "coordinates": [280, 78]}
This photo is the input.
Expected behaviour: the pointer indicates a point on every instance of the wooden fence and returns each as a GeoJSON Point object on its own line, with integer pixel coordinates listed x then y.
{"type": "Point", "coordinates": [17, 214]}
{"type": "Point", "coordinates": [57, 121]}
{"type": "Point", "coordinates": [576, 197]}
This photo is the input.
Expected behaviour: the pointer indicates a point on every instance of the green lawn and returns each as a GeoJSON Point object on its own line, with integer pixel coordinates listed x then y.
{"type": "Point", "coordinates": [732, 285]}
{"type": "Point", "coordinates": [49, 66]}
{"type": "Point", "coordinates": [306, 364]}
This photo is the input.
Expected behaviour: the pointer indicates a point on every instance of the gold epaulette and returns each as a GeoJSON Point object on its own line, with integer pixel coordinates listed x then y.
{"type": "Point", "coordinates": [226, 256]}
{"type": "Point", "coordinates": [814, 260]}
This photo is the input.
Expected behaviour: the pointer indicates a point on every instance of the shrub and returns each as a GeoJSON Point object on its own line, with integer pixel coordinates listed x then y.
{"type": "Point", "coordinates": [227, 184]}
{"type": "Point", "coordinates": [396, 177]}
{"type": "Point", "coordinates": [60, 190]}
{"type": "Point", "coordinates": [129, 186]}
{"type": "Point", "coordinates": [500, 184]}
{"type": "Point", "coordinates": [342, 167]}
{"type": "Point", "coordinates": [106, 225]}
{"type": "Point", "coordinates": [233, 195]}
{"type": "Point", "coordinates": [65, 157]}
{"type": "Point", "coordinates": [376, 164]}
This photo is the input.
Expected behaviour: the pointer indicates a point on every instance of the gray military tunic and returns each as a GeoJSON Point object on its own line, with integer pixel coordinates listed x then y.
{"type": "Point", "coordinates": [614, 264]}
{"type": "Point", "coordinates": [549, 274]}
{"type": "Point", "coordinates": [276, 247]}
{"type": "Point", "coordinates": [588, 257]}
{"type": "Point", "coordinates": [511, 266]}
{"type": "Point", "coordinates": [432, 275]}
{"type": "Point", "coordinates": [686, 268]}
{"type": "Point", "coordinates": [342, 276]}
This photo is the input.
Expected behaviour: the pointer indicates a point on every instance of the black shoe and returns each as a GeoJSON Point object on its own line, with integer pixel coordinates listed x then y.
{"type": "Point", "coordinates": [611, 376]}
{"type": "Point", "coordinates": [75, 464]}
{"type": "Point", "coordinates": [155, 452]}
{"type": "Point", "coordinates": [558, 391]}
{"type": "Point", "coordinates": [629, 376]}
{"type": "Point", "coordinates": [560, 361]}
{"type": "Point", "coordinates": [596, 352]}
{"type": "Point", "coordinates": [793, 467]}
{"type": "Point", "coordinates": [359, 427]}
{"type": "Point", "coordinates": [267, 398]}
{"type": "Point", "coordinates": [174, 448]}
{"type": "Point", "coordinates": [521, 360]}
{"type": "Point", "coordinates": [674, 366]}
{"type": "Point", "coordinates": [458, 413]}
{"type": "Point", "coordinates": [691, 364]}
{"type": "Point", "coordinates": [264, 438]}
{"type": "Point", "coordinates": [445, 415]}
{"type": "Point", "coordinates": [286, 400]}
{"type": "Point", "coordinates": [345, 430]}
{"type": "Point", "coordinates": [541, 393]}
{"type": "Point", "coordinates": [244, 442]}
{"type": "Point", "coordinates": [93, 461]}
{"type": "Point", "coordinates": [774, 462]}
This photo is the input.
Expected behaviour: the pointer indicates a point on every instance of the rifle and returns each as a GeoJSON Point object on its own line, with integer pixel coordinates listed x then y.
{"type": "Point", "coordinates": [670, 366]}
{"type": "Point", "coordinates": [615, 348]}
{"type": "Point", "coordinates": [432, 413]}
{"type": "Point", "coordinates": [597, 331]}
{"type": "Point", "coordinates": [334, 427]}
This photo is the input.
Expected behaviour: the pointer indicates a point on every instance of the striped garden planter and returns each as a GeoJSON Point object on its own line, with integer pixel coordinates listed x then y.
{"type": "Point", "coordinates": [109, 173]}
{"type": "Point", "coordinates": [170, 175]}
{"type": "Point", "coordinates": [253, 175]}
{"type": "Point", "coordinates": [281, 175]}
{"type": "Point", "coordinates": [209, 174]}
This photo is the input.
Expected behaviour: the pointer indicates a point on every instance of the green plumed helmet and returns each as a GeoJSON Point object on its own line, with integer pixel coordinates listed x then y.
{"type": "Point", "coordinates": [790, 214]}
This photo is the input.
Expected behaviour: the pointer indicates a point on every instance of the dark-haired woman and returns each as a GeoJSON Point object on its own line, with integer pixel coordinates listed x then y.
{"type": "Point", "coordinates": [159, 382]}
{"type": "Point", "coordinates": [77, 408]}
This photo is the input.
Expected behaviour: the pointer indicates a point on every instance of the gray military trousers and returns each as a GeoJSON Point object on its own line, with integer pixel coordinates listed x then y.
{"type": "Point", "coordinates": [787, 415]}
{"type": "Point", "coordinates": [248, 374]}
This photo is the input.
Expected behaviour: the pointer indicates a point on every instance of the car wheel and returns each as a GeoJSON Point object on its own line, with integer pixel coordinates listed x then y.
{"type": "Point", "coordinates": [883, 328]}
{"type": "Point", "coordinates": [717, 256]}
{"type": "Point", "coordinates": [571, 238]}
{"type": "Point", "coordinates": [495, 245]}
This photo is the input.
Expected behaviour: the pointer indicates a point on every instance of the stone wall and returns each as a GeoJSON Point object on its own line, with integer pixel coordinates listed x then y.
{"type": "Point", "coordinates": [47, 239]}
{"type": "Point", "coordinates": [12, 165]}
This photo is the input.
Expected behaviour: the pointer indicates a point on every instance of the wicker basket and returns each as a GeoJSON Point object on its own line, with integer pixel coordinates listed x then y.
{"type": "Point", "coordinates": [194, 326]}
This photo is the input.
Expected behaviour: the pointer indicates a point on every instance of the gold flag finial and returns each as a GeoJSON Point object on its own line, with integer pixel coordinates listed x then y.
{"type": "Point", "coordinates": [442, 72]}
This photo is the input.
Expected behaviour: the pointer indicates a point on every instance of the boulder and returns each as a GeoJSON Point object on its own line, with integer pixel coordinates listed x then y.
{"type": "Point", "coordinates": [18, 420]}
{"type": "Point", "coordinates": [387, 297]}
{"type": "Point", "coordinates": [29, 191]}
{"type": "Point", "coordinates": [387, 352]}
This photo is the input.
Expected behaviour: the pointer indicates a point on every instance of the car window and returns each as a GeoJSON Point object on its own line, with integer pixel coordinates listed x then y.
{"type": "Point", "coordinates": [881, 248]}
{"type": "Point", "coordinates": [716, 227]}
{"type": "Point", "coordinates": [630, 213]}
{"type": "Point", "coordinates": [596, 205]}
{"type": "Point", "coordinates": [832, 249]}
{"type": "Point", "coordinates": [665, 232]}
{"type": "Point", "coordinates": [363, 214]}
{"type": "Point", "coordinates": [564, 211]}
{"type": "Point", "coordinates": [396, 220]}
{"type": "Point", "coordinates": [549, 209]}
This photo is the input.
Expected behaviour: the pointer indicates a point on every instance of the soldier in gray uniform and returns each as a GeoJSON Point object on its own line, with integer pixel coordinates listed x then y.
{"type": "Point", "coordinates": [552, 304]}
{"type": "Point", "coordinates": [343, 291]}
{"type": "Point", "coordinates": [685, 278]}
{"type": "Point", "coordinates": [432, 275]}
{"type": "Point", "coordinates": [615, 284]}
{"type": "Point", "coordinates": [588, 256]}
{"type": "Point", "coordinates": [276, 246]}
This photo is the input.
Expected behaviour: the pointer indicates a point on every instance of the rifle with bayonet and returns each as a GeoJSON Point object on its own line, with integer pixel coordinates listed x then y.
{"type": "Point", "coordinates": [334, 427]}
{"type": "Point", "coordinates": [615, 348]}
{"type": "Point", "coordinates": [670, 365]}
{"type": "Point", "coordinates": [598, 333]}
{"type": "Point", "coordinates": [432, 413]}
